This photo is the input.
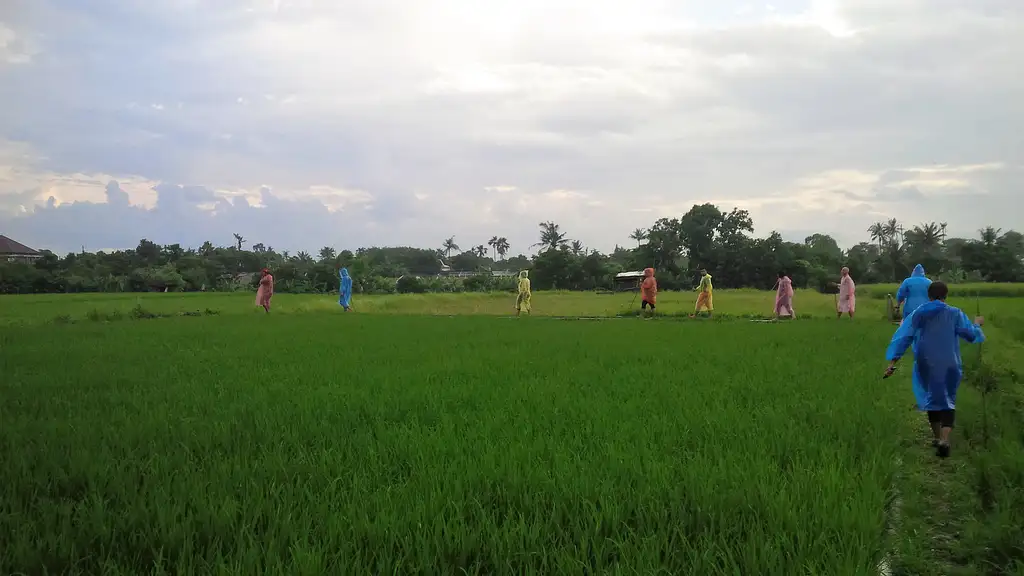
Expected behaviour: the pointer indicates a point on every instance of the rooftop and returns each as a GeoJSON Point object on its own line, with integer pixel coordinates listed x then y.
{"type": "Point", "coordinates": [9, 247]}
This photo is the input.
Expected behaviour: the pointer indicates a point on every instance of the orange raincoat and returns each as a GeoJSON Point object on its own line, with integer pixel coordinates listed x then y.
{"type": "Point", "coordinates": [649, 288]}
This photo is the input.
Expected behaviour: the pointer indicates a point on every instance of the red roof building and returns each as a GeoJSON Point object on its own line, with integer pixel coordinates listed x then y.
{"type": "Point", "coordinates": [11, 251]}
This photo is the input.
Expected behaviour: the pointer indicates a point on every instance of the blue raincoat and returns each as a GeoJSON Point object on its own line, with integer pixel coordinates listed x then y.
{"type": "Point", "coordinates": [933, 331]}
{"type": "Point", "coordinates": [913, 291]}
{"type": "Point", "coordinates": [345, 293]}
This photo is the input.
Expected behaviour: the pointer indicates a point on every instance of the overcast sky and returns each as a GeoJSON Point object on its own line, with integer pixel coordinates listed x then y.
{"type": "Point", "coordinates": [305, 123]}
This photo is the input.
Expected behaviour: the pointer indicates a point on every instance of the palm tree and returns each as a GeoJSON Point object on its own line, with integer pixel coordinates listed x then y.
{"type": "Point", "coordinates": [239, 240]}
{"type": "Point", "coordinates": [449, 246]}
{"type": "Point", "coordinates": [327, 254]}
{"type": "Point", "coordinates": [551, 237]}
{"type": "Point", "coordinates": [577, 247]}
{"type": "Point", "coordinates": [481, 251]}
{"type": "Point", "coordinates": [929, 235]}
{"type": "Point", "coordinates": [989, 236]}
{"type": "Point", "coordinates": [502, 247]}
{"type": "Point", "coordinates": [893, 231]}
{"type": "Point", "coordinates": [639, 235]}
{"type": "Point", "coordinates": [493, 243]}
{"type": "Point", "coordinates": [877, 231]}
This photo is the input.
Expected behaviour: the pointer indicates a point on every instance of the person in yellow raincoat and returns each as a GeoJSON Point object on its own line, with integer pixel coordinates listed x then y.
{"type": "Point", "coordinates": [704, 299]}
{"type": "Point", "coordinates": [523, 299]}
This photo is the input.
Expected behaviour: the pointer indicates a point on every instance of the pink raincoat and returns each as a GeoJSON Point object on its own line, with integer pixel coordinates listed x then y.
{"type": "Point", "coordinates": [847, 293]}
{"type": "Point", "coordinates": [266, 290]}
{"type": "Point", "coordinates": [784, 298]}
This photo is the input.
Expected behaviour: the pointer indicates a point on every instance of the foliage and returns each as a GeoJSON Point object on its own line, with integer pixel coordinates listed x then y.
{"type": "Point", "coordinates": [422, 444]}
{"type": "Point", "coordinates": [704, 237]}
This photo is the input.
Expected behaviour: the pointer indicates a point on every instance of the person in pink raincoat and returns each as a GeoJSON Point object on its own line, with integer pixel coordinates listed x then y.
{"type": "Point", "coordinates": [784, 297]}
{"type": "Point", "coordinates": [847, 303]}
{"type": "Point", "coordinates": [266, 290]}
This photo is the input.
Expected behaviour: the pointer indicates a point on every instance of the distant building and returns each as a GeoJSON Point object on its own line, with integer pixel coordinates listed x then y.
{"type": "Point", "coordinates": [11, 251]}
{"type": "Point", "coordinates": [446, 270]}
{"type": "Point", "coordinates": [628, 280]}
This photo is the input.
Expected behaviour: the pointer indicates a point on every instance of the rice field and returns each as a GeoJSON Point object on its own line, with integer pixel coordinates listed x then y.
{"type": "Point", "coordinates": [385, 441]}
{"type": "Point", "coordinates": [67, 308]}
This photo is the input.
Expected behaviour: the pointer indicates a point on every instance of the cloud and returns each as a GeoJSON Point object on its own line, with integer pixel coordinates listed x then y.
{"type": "Point", "coordinates": [382, 122]}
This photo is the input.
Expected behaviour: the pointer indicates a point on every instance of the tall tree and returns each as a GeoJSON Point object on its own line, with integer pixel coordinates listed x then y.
{"type": "Point", "coordinates": [449, 246]}
{"type": "Point", "coordinates": [639, 235]}
{"type": "Point", "coordinates": [697, 230]}
{"type": "Point", "coordinates": [551, 236]}
{"type": "Point", "coordinates": [502, 247]}
{"type": "Point", "coordinates": [239, 241]}
{"type": "Point", "coordinates": [327, 254]}
{"type": "Point", "coordinates": [493, 243]}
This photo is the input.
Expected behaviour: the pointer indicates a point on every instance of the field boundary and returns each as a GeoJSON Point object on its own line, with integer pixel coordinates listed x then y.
{"type": "Point", "coordinates": [964, 513]}
{"type": "Point", "coordinates": [893, 520]}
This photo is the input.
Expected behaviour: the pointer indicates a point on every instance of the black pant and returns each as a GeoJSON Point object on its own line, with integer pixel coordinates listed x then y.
{"type": "Point", "coordinates": [644, 304]}
{"type": "Point", "coordinates": [943, 418]}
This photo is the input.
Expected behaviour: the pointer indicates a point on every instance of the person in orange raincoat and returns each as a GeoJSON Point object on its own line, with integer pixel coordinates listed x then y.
{"type": "Point", "coordinates": [648, 290]}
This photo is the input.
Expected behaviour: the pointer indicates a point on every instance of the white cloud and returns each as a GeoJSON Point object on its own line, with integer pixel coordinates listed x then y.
{"type": "Point", "coordinates": [14, 49]}
{"type": "Point", "coordinates": [477, 119]}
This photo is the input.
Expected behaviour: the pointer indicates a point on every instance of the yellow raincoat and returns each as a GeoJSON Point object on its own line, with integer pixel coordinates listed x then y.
{"type": "Point", "coordinates": [523, 299]}
{"type": "Point", "coordinates": [704, 299]}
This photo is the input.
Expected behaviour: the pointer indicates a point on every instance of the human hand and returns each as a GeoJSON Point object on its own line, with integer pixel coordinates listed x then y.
{"type": "Point", "coordinates": [979, 320]}
{"type": "Point", "coordinates": [889, 371]}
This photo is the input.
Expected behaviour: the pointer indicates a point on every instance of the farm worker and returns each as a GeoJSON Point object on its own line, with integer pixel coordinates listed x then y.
{"type": "Point", "coordinates": [931, 331]}
{"type": "Point", "coordinates": [784, 297]}
{"type": "Point", "coordinates": [648, 290]}
{"type": "Point", "coordinates": [704, 299]}
{"type": "Point", "coordinates": [847, 294]}
{"type": "Point", "coordinates": [266, 290]}
{"type": "Point", "coordinates": [524, 295]}
{"type": "Point", "coordinates": [913, 291]}
{"type": "Point", "coordinates": [345, 291]}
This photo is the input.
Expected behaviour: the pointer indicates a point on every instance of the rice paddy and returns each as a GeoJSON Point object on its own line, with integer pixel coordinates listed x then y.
{"type": "Point", "coordinates": [382, 441]}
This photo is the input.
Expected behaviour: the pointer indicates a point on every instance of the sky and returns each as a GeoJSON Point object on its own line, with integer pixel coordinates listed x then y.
{"type": "Point", "coordinates": [307, 123]}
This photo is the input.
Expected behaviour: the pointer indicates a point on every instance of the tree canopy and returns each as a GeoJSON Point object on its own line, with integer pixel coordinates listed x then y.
{"type": "Point", "coordinates": [704, 237]}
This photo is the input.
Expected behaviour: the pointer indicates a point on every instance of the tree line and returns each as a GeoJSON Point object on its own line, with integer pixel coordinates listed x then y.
{"type": "Point", "coordinates": [704, 237]}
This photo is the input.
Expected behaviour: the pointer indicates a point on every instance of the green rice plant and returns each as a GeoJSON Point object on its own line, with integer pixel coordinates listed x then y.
{"type": "Point", "coordinates": [332, 444]}
{"type": "Point", "coordinates": [41, 309]}
{"type": "Point", "coordinates": [965, 290]}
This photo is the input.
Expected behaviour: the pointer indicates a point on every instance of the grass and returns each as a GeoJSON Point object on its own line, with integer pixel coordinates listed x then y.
{"type": "Point", "coordinates": [67, 308]}
{"type": "Point", "coordinates": [311, 441]}
{"type": "Point", "coordinates": [965, 515]}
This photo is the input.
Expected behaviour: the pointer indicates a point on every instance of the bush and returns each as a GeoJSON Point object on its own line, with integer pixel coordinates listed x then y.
{"type": "Point", "coordinates": [411, 285]}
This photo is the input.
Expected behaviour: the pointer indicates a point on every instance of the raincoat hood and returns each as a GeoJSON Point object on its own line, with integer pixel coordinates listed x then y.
{"type": "Point", "coordinates": [344, 272]}
{"type": "Point", "coordinates": [930, 309]}
{"type": "Point", "coordinates": [918, 272]}
{"type": "Point", "coordinates": [648, 272]}
{"type": "Point", "coordinates": [524, 273]}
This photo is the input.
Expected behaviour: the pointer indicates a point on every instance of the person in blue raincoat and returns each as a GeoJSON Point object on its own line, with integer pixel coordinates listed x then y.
{"type": "Point", "coordinates": [913, 291]}
{"type": "Point", "coordinates": [933, 331]}
{"type": "Point", "coordinates": [345, 292]}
